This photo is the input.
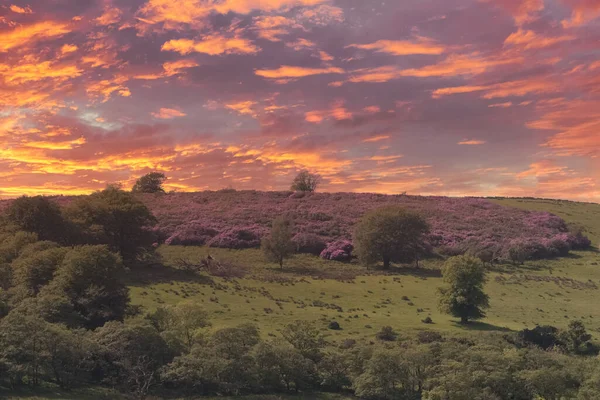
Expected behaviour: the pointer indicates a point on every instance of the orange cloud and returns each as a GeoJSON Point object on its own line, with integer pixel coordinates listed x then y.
{"type": "Point", "coordinates": [377, 138]}
{"type": "Point", "coordinates": [173, 13]}
{"type": "Point", "coordinates": [584, 11]}
{"type": "Point", "coordinates": [25, 35]}
{"type": "Point", "coordinates": [472, 142]}
{"type": "Point", "coordinates": [244, 107]}
{"type": "Point", "coordinates": [212, 45]}
{"type": "Point", "coordinates": [542, 168]}
{"type": "Point", "coordinates": [501, 105]}
{"type": "Point", "coordinates": [168, 113]}
{"type": "Point", "coordinates": [271, 27]}
{"type": "Point", "coordinates": [577, 123]}
{"type": "Point", "coordinates": [66, 145]}
{"type": "Point", "coordinates": [286, 71]}
{"type": "Point", "coordinates": [531, 40]}
{"type": "Point", "coordinates": [23, 73]}
{"type": "Point", "coordinates": [110, 16]}
{"type": "Point", "coordinates": [20, 10]}
{"type": "Point", "coordinates": [337, 111]}
{"type": "Point", "coordinates": [453, 65]}
{"type": "Point", "coordinates": [403, 47]}
{"type": "Point", "coordinates": [68, 48]}
{"type": "Point", "coordinates": [504, 89]}
{"type": "Point", "coordinates": [107, 87]}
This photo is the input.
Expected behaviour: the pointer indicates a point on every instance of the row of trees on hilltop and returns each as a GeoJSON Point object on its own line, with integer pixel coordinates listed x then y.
{"type": "Point", "coordinates": [154, 181]}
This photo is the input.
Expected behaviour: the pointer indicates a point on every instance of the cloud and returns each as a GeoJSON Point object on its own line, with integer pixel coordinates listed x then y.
{"type": "Point", "coordinates": [286, 71]}
{"type": "Point", "coordinates": [212, 45]}
{"type": "Point", "coordinates": [453, 65]}
{"type": "Point", "coordinates": [243, 107]}
{"type": "Point", "coordinates": [20, 10]}
{"type": "Point", "coordinates": [504, 89]}
{"type": "Point", "coordinates": [403, 47]}
{"type": "Point", "coordinates": [531, 40]}
{"type": "Point", "coordinates": [168, 113]}
{"type": "Point", "coordinates": [471, 142]}
{"type": "Point", "coordinates": [29, 34]}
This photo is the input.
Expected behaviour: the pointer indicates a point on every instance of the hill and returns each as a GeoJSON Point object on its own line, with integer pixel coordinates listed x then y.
{"type": "Point", "coordinates": [237, 219]}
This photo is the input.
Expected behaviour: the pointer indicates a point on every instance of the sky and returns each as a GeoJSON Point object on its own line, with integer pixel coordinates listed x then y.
{"type": "Point", "coordinates": [430, 97]}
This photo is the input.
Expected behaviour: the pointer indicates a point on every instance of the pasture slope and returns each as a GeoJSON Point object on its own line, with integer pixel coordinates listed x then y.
{"type": "Point", "coordinates": [539, 292]}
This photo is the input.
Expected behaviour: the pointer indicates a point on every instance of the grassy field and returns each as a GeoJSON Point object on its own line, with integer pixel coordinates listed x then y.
{"type": "Point", "coordinates": [308, 288]}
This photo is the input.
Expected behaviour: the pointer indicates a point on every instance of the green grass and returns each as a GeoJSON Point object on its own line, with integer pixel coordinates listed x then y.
{"type": "Point", "coordinates": [543, 292]}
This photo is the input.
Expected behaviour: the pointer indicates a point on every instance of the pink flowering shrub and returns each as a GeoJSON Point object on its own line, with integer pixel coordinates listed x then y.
{"type": "Point", "coordinates": [340, 250]}
{"type": "Point", "coordinates": [192, 234]}
{"type": "Point", "coordinates": [238, 238]}
{"type": "Point", "coordinates": [238, 219]}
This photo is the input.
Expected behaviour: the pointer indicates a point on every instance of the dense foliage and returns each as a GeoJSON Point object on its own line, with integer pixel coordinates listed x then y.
{"type": "Point", "coordinates": [390, 234]}
{"type": "Point", "coordinates": [150, 183]}
{"type": "Point", "coordinates": [463, 295]}
{"type": "Point", "coordinates": [239, 219]}
{"type": "Point", "coordinates": [306, 182]}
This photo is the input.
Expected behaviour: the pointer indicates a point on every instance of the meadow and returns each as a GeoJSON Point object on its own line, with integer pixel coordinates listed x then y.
{"type": "Point", "coordinates": [540, 292]}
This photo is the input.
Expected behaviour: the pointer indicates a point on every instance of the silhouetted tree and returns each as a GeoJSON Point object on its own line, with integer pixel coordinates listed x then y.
{"type": "Point", "coordinates": [306, 182]}
{"type": "Point", "coordinates": [150, 183]}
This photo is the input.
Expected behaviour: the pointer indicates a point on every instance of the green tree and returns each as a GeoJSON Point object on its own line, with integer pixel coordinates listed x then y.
{"type": "Point", "coordinates": [306, 338]}
{"type": "Point", "coordinates": [131, 356]}
{"type": "Point", "coordinates": [33, 270]}
{"type": "Point", "coordinates": [281, 367]}
{"type": "Point", "coordinates": [463, 294]}
{"type": "Point", "coordinates": [181, 323]}
{"type": "Point", "coordinates": [279, 245]}
{"type": "Point", "coordinates": [389, 234]}
{"type": "Point", "coordinates": [39, 215]}
{"type": "Point", "coordinates": [89, 278]}
{"type": "Point", "coordinates": [115, 218]}
{"type": "Point", "coordinates": [575, 337]}
{"type": "Point", "coordinates": [150, 183]}
{"type": "Point", "coordinates": [306, 182]}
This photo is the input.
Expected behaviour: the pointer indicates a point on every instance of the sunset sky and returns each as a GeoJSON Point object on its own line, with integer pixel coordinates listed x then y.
{"type": "Point", "coordinates": [444, 97]}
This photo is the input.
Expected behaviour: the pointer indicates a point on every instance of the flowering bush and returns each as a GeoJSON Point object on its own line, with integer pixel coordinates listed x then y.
{"type": "Point", "coordinates": [340, 250]}
{"type": "Point", "coordinates": [192, 234]}
{"type": "Point", "coordinates": [238, 238]}
{"type": "Point", "coordinates": [238, 219]}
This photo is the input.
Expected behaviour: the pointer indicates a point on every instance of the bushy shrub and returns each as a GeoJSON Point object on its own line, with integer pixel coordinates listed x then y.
{"type": "Point", "coordinates": [340, 250]}
{"type": "Point", "coordinates": [192, 234]}
{"type": "Point", "coordinates": [309, 243]}
{"type": "Point", "coordinates": [237, 238]}
{"type": "Point", "coordinates": [387, 334]}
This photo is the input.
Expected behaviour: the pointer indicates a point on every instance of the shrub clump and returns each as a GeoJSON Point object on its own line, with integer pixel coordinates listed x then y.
{"type": "Point", "coordinates": [340, 250]}
{"type": "Point", "coordinates": [237, 238]}
{"type": "Point", "coordinates": [191, 234]}
{"type": "Point", "coordinates": [386, 334]}
{"type": "Point", "coordinates": [334, 325]}
{"type": "Point", "coordinates": [309, 243]}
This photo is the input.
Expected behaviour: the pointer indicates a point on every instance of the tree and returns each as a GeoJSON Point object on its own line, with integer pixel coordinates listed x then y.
{"type": "Point", "coordinates": [389, 234]}
{"type": "Point", "coordinates": [32, 272]}
{"type": "Point", "coordinates": [115, 218]}
{"type": "Point", "coordinates": [279, 245]}
{"type": "Point", "coordinates": [180, 323]}
{"type": "Point", "coordinates": [306, 182]}
{"type": "Point", "coordinates": [463, 294]}
{"type": "Point", "coordinates": [305, 338]}
{"type": "Point", "coordinates": [89, 278]}
{"type": "Point", "coordinates": [150, 183]}
{"type": "Point", "coordinates": [132, 355]}
{"type": "Point", "coordinates": [39, 215]}
{"type": "Point", "coordinates": [575, 337]}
